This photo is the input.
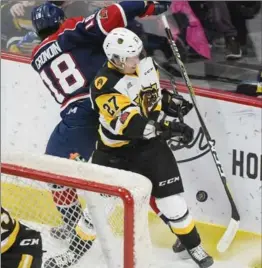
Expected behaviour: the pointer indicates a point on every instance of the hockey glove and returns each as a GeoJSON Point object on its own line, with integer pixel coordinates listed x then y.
{"type": "Point", "coordinates": [161, 7]}
{"type": "Point", "coordinates": [173, 103]}
{"type": "Point", "coordinates": [169, 129]}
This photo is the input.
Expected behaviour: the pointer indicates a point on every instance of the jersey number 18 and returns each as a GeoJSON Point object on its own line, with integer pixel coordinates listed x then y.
{"type": "Point", "coordinates": [67, 76]}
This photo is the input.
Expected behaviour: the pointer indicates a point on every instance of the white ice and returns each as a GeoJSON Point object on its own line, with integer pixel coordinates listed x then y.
{"type": "Point", "coordinates": [163, 258]}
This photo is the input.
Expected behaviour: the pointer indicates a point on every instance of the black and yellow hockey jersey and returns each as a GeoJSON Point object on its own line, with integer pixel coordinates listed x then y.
{"type": "Point", "coordinates": [125, 103]}
{"type": "Point", "coordinates": [9, 230]}
{"type": "Point", "coordinates": [21, 246]}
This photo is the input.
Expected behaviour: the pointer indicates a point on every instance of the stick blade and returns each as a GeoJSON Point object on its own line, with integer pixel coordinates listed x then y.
{"type": "Point", "coordinates": [228, 236]}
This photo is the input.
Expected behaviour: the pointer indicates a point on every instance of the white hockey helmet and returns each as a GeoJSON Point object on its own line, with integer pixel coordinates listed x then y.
{"type": "Point", "coordinates": [122, 43]}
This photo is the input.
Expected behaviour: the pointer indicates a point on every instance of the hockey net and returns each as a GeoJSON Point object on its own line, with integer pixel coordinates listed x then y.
{"type": "Point", "coordinates": [117, 200]}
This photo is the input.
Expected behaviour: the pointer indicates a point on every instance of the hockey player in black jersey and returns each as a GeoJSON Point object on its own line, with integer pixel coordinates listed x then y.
{"type": "Point", "coordinates": [21, 247]}
{"type": "Point", "coordinates": [133, 131]}
{"type": "Point", "coordinates": [67, 61]}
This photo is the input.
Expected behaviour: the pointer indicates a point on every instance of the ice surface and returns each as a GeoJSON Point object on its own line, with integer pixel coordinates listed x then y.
{"type": "Point", "coordinates": [163, 257]}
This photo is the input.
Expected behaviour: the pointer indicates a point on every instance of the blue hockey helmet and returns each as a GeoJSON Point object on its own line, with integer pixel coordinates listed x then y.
{"type": "Point", "coordinates": [47, 16]}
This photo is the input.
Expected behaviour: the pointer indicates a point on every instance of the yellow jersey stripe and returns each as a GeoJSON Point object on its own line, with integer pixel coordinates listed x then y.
{"type": "Point", "coordinates": [111, 143]}
{"type": "Point", "coordinates": [84, 236]}
{"type": "Point", "coordinates": [185, 230]}
{"type": "Point", "coordinates": [11, 238]}
{"type": "Point", "coordinates": [26, 261]}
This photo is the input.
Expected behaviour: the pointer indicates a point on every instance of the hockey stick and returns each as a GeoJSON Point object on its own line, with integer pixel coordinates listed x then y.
{"type": "Point", "coordinates": [172, 82]}
{"type": "Point", "coordinates": [171, 77]}
{"type": "Point", "coordinates": [233, 226]}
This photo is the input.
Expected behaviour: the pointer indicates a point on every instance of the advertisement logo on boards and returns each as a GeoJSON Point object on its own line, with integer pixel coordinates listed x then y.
{"type": "Point", "coordinates": [199, 143]}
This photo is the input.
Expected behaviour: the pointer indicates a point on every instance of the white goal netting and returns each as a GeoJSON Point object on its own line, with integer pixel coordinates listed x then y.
{"type": "Point", "coordinates": [116, 200]}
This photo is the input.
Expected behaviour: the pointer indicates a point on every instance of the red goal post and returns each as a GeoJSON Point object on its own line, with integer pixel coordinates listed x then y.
{"type": "Point", "coordinates": [133, 189]}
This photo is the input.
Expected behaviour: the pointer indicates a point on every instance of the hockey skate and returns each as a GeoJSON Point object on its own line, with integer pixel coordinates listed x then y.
{"type": "Point", "coordinates": [77, 249]}
{"type": "Point", "coordinates": [180, 250]}
{"type": "Point", "coordinates": [197, 254]}
{"type": "Point", "coordinates": [200, 257]}
{"type": "Point", "coordinates": [65, 231]}
{"type": "Point", "coordinates": [61, 261]}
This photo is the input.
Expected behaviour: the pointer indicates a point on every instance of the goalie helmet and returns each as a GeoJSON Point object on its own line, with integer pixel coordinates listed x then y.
{"type": "Point", "coordinates": [47, 17]}
{"type": "Point", "coordinates": [121, 44]}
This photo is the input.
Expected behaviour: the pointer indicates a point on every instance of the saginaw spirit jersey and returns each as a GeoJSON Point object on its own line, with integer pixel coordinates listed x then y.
{"type": "Point", "coordinates": [115, 97]}
{"type": "Point", "coordinates": [68, 60]}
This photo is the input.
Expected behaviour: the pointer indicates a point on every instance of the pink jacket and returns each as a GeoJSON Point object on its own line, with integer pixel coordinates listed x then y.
{"type": "Point", "coordinates": [195, 35]}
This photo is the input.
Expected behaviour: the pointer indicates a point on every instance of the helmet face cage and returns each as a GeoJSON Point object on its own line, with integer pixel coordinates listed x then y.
{"type": "Point", "coordinates": [46, 16]}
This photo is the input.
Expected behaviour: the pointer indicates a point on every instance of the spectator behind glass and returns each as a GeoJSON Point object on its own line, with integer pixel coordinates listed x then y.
{"type": "Point", "coordinates": [222, 20]}
{"type": "Point", "coordinates": [190, 28]}
{"type": "Point", "coordinates": [17, 31]}
{"type": "Point", "coordinates": [240, 12]}
{"type": "Point", "coordinates": [26, 39]}
{"type": "Point", "coordinates": [74, 8]}
{"type": "Point", "coordinates": [16, 22]}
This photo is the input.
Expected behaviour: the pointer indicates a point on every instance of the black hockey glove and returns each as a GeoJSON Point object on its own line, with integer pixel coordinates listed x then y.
{"type": "Point", "coordinates": [169, 129]}
{"type": "Point", "coordinates": [173, 103]}
{"type": "Point", "coordinates": [160, 6]}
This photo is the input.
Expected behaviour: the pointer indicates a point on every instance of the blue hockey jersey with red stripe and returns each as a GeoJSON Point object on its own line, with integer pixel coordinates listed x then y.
{"type": "Point", "coordinates": [68, 60]}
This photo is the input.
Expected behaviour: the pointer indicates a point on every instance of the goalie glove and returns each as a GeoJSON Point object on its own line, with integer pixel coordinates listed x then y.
{"type": "Point", "coordinates": [173, 103]}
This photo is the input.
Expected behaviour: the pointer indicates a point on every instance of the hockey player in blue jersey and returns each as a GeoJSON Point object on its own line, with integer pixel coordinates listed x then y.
{"type": "Point", "coordinates": [67, 60]}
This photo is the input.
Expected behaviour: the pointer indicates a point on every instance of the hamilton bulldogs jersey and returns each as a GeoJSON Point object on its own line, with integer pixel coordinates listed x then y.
{"type": "Point", "coordinates": [117, 99]}
{"type": "Point", "coordinates": [9, 230]}
{"type": "Point", "coordinates": [20, 246]}
{"type": "Point", "coordinates": [68, 60]}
